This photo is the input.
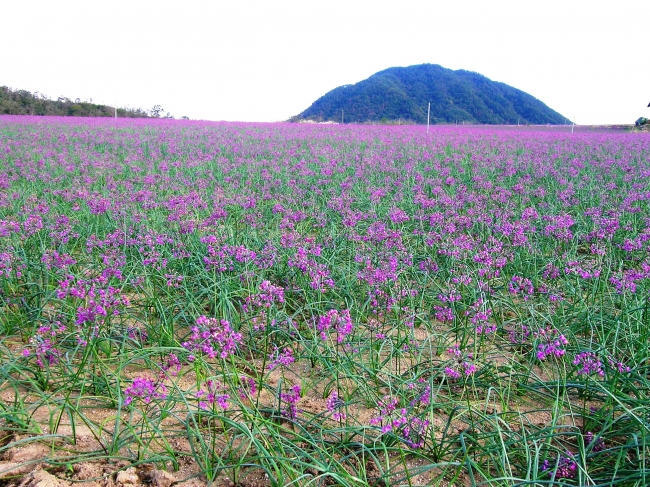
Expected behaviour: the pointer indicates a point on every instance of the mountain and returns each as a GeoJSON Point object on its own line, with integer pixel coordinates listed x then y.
{"type": "Point", "coordinates": [22, 102]}
{"type": "Point", "coordinates": [455, 96]}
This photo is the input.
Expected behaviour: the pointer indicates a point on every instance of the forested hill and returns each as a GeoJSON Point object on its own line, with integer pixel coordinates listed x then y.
{"type": "Point", "coordinates": [21, 102]}
{"type": "Point", "coordinates": [456, 97]}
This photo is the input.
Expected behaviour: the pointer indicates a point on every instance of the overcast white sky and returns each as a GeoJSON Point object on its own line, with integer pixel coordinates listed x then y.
{"type": "Point", "coordinates": [256, 60]}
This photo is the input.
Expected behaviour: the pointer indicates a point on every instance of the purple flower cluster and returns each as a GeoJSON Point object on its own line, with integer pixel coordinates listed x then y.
{"type": "Point", "coordinates": [550, 343]}
{"type": "Point", "coordinates": [588, 363]}
{"type": "Point", "coordinates": [8, 265]}
{"type": "Point", "coordinates": [248, 387]}
{"type": "Point", "coordinates": [267, 296]}
{"type": "Point", "coordinates": [226, 258]}
{"type": "Point", "coordinates": [335, 321]}
{"type": "Point", "coordinates": [394, 419]}
{"type": "Point", "coordinates": [212, 392]}
{"type": "Point", "coordinates": [212, 338]}
{"type": "Point", "coordinates": [305, 261]}
{"type": "Point", "coordinates": [281, 357]}
{"type": "Point", "coordinates": [258, 304]}
{"type": "Point", "coordinates": [99, 302]}
{"type": "Point", "coordinates": [627, 281]}
{"type": "Point", "coordinates": [422, 391]}
{"type": "Point", "coordinates": [289, 402]}
{"type": "Point", "coordinates": [53, 260]}
{"type": "Point", "coordinates": [174, 280]}
{"type": "Point", "coordinates": [480, 315]}
{"type": "Point", "coordinates": [585, 269]}
{"type": "Point", "coordinates": [145, 390]}
{"type": "Point", "coordinates": [618, 366]}
{"type": "Point", "coordinates": [462, 363]}
{"type": "Point", "coordinates": [521, 286]}
{"type": "Point", "coordinates": [559, 226]}
{"type": "Point", "coordinates": [519, 335]}
{"type": "Point", "coordinates": [595, 442]}
{"type": "Point", "coordinates": [566, 467]}
{"type": "Point", "coordinates": [44, 345]}
{"type": "Point", "coordinates": [170, 367]}
{"type": "Point", "coordinates": [334, 405]}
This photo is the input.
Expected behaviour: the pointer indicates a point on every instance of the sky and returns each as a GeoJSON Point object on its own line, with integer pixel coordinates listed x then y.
{"type": "Point", "coordinates": [267, 60]}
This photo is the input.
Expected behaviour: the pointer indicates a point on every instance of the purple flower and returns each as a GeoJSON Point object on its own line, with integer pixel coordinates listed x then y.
{"type": "Point", "coordinates": [413, 432]}
{"type": "Point", "coordinates": [280, 357]}
{"type": "Point", "coordinates": [462, 364]}
{"type": "Point", "coordinates": [144, 389]}
{"type": "Point", "coordinates": [559, 227]}
{"type": "Point", "coordinates": [588, 363]}
{"type": "Point", "coordinates": [45, 343]}
{"type": "Point", "coordinates": [304, 261]}
{"type": "Point", "coordinates": [596, 442]}
{"type": "Point", "coordinates": [290, 400]}
{"type": "Point", "coordinates": [212, 392]}
{"type": "Point", "coordinates": [550, 342]}
{"type": "Point", "coordinates": [213, 338]}
{"type": "Point", "coordinates": [334, 406]}
{"type": "Point", "coordinates": [171, 366]}
{"type": "Point", "coordinates": [566, 467]}
{"type": "Point", "coordinates": [620, 367]}
{"type": "Point", "coordinates": [398, 420]}
{"type": "Point", "coordinates": [519, 336]}
{"type": "Point", "coordinates": [268, 296]}
{"type": "Point", "coordinates": [428, 265]}
{"type": "Point", "coordinates": [386, 406]}
{"type": "Point", "coordinates": [444, 314]}
{"type": "Point", "coordinates": [521, 286]}
{"type": "Point", "coordinates": [338, 321]}
{"type": "Point", "coordinates": [248, 387]}
{"type": "Point", "coordinates": [452, 373]}
{"type": "Point", "coordinates": [585, 269]}
{"type": "Point", "coordinates": [480, 318]}
{"type": "Point", "coordinates": [397, 215]}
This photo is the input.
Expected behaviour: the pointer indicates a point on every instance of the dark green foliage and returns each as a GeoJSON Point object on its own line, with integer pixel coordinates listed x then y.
{"type": "Point", "coordinates": [455, 96]}
{"type": "Point", "coordinates": [22, 102]}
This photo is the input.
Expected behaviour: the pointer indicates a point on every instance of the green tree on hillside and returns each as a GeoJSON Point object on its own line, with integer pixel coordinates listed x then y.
{"type": "Point", "coordinates": [22, 102]}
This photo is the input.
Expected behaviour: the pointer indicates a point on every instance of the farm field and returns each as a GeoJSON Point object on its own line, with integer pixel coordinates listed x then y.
{"type": "Point", "coordinates": [196, 303]}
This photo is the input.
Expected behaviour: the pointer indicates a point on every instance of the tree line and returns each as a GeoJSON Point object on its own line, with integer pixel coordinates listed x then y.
{"type": "Point", "coordinates": [23, 102]}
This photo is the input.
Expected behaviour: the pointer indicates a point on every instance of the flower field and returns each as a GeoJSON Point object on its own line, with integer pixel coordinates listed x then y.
{"type": "Point", "coordinates": [274, 304]}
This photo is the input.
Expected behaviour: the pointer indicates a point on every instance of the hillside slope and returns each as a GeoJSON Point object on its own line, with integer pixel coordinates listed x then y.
{"type": "Point", "coordinates": [456, 97]}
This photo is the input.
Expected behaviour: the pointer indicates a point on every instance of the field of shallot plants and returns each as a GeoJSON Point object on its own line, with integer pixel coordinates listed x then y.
{"type": "Point", "coordinates": [192, 303]}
